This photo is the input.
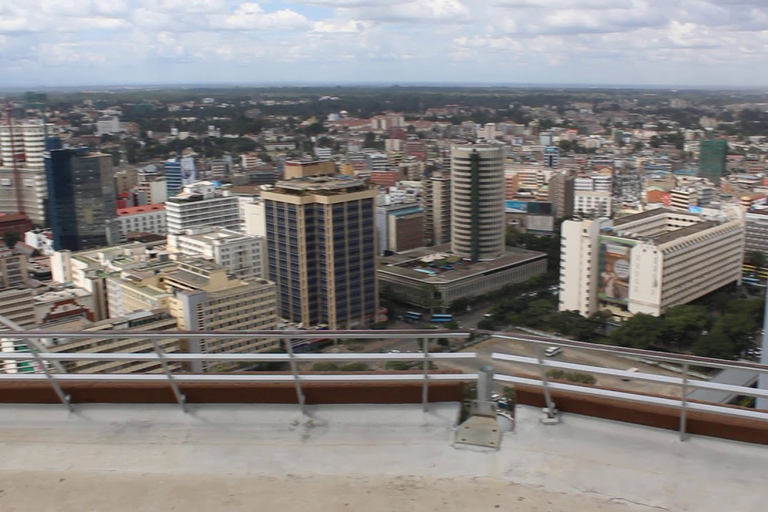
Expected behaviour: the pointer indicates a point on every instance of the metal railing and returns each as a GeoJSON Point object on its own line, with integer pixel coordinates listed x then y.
{"type": "Point", "coordinates": [685, 382]}
{"type": "Point", "coordinates": [50, 366]}
{"type": "Point", "coordinates": [51, 370]}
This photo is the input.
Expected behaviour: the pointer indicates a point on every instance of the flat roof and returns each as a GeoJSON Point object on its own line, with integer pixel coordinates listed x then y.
{"type": "Point", "coordinates": [405, 264]}
{"type": "Point", "coordinates": [376, 458]}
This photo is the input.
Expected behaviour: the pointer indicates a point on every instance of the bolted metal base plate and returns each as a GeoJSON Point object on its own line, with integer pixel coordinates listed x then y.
{"type": "Point", "coordinates": [479, 431]}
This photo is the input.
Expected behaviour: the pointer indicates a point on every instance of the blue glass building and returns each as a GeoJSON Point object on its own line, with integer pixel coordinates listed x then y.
{"type": "Point", "coordinates": [81, 197]}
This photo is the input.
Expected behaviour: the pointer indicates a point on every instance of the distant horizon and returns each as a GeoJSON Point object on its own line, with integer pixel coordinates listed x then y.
{"type": "Point", "coordinates": [107, 87]}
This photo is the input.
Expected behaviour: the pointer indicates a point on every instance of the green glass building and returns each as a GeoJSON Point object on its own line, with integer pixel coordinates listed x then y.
{"type": "Point", "coordinates": [712, 159]}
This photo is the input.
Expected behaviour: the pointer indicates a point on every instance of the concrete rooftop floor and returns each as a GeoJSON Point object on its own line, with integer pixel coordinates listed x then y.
{"type": "Point", "coordinates": [358, 457]}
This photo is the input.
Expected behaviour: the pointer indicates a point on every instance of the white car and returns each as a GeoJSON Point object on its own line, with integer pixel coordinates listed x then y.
{"type": "Point", "coordinates": [553, 351]}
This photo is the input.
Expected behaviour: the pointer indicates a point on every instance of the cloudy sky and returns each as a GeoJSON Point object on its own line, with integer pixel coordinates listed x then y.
{"type": "Point", "coordinates": [96, 42]}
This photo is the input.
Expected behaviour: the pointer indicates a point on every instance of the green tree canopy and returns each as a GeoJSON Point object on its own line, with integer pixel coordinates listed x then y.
{"type": "Point", "coordinates": [640, 331]}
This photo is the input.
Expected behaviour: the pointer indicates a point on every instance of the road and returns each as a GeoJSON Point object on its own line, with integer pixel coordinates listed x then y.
{"type": "Point", "coordinates": [486, 348]}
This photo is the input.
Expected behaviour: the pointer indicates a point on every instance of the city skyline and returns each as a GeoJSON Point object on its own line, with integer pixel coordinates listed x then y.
{"type": "Point", "coordinates": [626, 42]}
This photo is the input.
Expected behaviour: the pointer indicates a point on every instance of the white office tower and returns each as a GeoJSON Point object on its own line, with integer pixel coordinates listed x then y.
{"type": "Point", "coordinates": [648, 262]}
{"type": "Point", "coordinates": [24, 142]}
{"type": "Point", "coordinates": [477, 201]}
{"type": "Point", "coordinates": [202, 204]}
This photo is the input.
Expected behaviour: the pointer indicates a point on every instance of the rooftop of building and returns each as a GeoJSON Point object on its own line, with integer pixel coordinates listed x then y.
{"type": "Point", "coordinates": [438, 265]}
{"type": "Point", "coordinates": [218, 235]}
{"type": "Point", "coordinates": [133, 210]}
{"type": "Point", "coordinates": [53, 295]}
{"type": "Point", "coordinates": [358, 457]}
{"type": "Point", "coordinates": [325, 185]}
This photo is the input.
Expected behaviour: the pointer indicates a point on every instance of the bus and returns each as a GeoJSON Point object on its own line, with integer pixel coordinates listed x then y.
{"type": "Point", "coordinates": [441, 318]}
{"type": "Point", "coordinates": [412, 316]}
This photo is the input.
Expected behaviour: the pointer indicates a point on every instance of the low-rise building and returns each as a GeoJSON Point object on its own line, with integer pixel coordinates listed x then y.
{"type": "Point", "coordinates": [158, 320]}
{"type": "Point", "coordinates": [205, 298]}
{"type": "Point", "coordinates": [147, 219]}
{"type": "Point", "coordinates": [435, 277]}
{"type": "Point", "coordinates": [242, 255]}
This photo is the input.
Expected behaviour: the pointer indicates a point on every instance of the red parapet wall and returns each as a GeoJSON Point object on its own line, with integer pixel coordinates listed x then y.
{"type": "Point", "coordinates": [697, 422]}
{"type": "Point", "coordinates": [225, 392]}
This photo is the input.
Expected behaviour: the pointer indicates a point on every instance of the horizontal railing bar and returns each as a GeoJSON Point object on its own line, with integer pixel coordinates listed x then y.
{"type": "Point", "coordinates": [592, 369]}
{"type": "Point", "coordinates": [649, 377]}
{"type": "Point", "coordinates": [648, 354]}
{"type": "Point", "coordinates": [630, 397]}
{"type": "Point", "coordinates": [361, 334]}
{"type": "Point", "coordinates": [232, 377]}
{"type": "Point", "coordinates": [174, 356]}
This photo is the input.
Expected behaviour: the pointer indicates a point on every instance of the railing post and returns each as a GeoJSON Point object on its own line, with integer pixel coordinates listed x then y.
{"type": "Point", "coordinates": [550, 413]}
{"type": "Point", "coordinates": [684, 402]}
{"type": "Point", "coordinates": [425, 384]}
{"type": "Point", "coordinates": [43, 364]}
{"type": "Point", "coordinates": [295, 371]}
{"type": "Point", "coordinates": [180, 398]}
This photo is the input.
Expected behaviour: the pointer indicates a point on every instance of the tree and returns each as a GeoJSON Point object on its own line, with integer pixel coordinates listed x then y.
{"type": "Point", "coordinates": [756, 259]}
{"type": "Point", "coordinates": [565, 145]}
{"type": "Point", "coordinates": [684, 324]}
{"type": "Point", "coordinates": [640, 331]}
{"type": "Point", "coordinates": [739, 328]}
{"type": "Point", "coordinates": [716, 344]}
{"type": "Point", "coordinates": [11, 238]}
{"type": "Point", "coordinates": [514, 236]}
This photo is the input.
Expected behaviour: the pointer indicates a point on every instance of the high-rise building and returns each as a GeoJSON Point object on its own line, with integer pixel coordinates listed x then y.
{"type": "Point", "coordinates": [552, 157]}
{"type": "Point", "coordinates": [437, 208]}
{"type": "Point", "coordinates": [321, 241]}
{"type": "Point", "coordinates": [648, 262]}
{"type": "Point", "coordinates": [712, 155]}
{"type": "Point", "coordinates": [81, 199]}
{"type": "Point", "coordinates": [23, 143]}
{"type": "Point", "coordinates": [178, 173]}
{"type": "Point", "coordinates": [202, 204]}
{"type": "Point", "coordinates": [477, 201]}
{"type": "Point", "coordinates": [561, 194]}
{"type": "Point", "coordinates": [24, 191]}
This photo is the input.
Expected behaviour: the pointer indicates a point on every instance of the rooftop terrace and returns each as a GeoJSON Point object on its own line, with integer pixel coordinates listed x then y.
{"type": "Point", "coordinates": [357, 457]}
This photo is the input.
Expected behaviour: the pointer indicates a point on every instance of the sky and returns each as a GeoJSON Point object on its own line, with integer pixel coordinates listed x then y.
{"type": "Point", "coordinates": [633, 42]}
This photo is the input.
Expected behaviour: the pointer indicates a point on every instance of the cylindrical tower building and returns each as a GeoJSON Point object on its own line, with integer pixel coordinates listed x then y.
{"type": "Point", "coordinates": [477, 201]}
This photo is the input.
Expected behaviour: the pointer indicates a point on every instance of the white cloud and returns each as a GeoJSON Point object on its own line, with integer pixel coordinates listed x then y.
{"type": "Point", "coordinates": [388, 40]}
{"type": "Point", "coordinates": [251, 16]}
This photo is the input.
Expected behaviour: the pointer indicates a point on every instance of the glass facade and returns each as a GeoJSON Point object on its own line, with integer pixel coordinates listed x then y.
{"type": "Point", "coordinates": [322, 258]}
{"type": "Point", "coordinates": [81, 198]}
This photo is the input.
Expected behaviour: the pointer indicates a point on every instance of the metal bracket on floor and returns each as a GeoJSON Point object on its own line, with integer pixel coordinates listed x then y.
{"type": "Point", "coordinates": [481, 429]}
